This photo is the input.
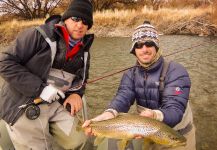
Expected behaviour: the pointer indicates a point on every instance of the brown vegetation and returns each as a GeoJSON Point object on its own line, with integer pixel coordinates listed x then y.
{"type": "Point", "coordinates": [10, 29]}
{"type": "Point", "coordinates": [214, 12]}
{"type": "Point", "coordinates": [110, 23]}
{"type": "Point", "coordinates": [167, 20]}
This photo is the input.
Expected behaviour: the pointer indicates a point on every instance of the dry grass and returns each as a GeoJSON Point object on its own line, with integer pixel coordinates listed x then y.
{"type": "Point", "coordinates": [122, 22]}
{"type": "Point", "coordinates": [214, 12]}
{"type": "Point", "coordinates": [162, 18]}
{"type": "Point", "coordinates": [9, 29]}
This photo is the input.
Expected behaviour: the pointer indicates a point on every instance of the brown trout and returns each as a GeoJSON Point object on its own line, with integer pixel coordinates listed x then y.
{"type": "Point", "coordinates": [127, 126]}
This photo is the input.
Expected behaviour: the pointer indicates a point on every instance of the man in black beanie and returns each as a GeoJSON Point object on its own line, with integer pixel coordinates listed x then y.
{"type": "Point", "coordinates": [81, 9]}
{"type": "Point", "coordinates": [45, 71]}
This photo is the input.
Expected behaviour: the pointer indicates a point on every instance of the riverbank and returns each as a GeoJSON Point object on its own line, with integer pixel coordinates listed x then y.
{"type": "Point", "coordinates": [187, 21]}
{"type": "Point", "coordinates": [120, 23]}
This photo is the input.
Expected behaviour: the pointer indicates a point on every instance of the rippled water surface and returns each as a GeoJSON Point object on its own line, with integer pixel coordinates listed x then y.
{"type": "Point", "coordinates": [110, 55]}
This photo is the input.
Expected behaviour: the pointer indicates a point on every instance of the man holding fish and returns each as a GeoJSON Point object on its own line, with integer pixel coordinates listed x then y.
{"type": "Point", "coordinates": [160, 88]}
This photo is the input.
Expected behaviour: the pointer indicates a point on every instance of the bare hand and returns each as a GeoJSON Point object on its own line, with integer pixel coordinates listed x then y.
{"type": "Point", "coordinates": [148, 113]}
{"type": "Point", "coordinates": [101, 117]}
{"type": "Point", "coordinates": [75, 101]}
{"type": "Point", "coordinates": [88, 130]}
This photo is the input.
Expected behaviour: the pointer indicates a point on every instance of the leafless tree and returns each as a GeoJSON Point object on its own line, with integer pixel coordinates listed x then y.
{"type": "Point", "coordinates": [107, 4]}
{"type": "Point", "coordinates": [28, 9]}
{"type": "Point", "coordinates": [159, 3]}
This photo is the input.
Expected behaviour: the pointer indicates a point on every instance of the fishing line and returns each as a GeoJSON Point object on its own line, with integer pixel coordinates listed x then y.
{"type": "Point", "coordinates": [176, 52]}
{"type": "Point", "coordinates": [201, 44]}
{"type": "Point", "coordinates": [127, 68]}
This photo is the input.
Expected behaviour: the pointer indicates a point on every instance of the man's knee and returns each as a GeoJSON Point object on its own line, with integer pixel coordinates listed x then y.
{"type": "Point", "coordinates": [71, 141]}
{"type": "Point", "coordinates": [74, 141]}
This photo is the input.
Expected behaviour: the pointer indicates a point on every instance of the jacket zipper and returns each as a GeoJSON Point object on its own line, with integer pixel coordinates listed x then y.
{"type": "Point", "coordinates": [145, 78]}
{"type": "Point", "coordinates": [15, 116]}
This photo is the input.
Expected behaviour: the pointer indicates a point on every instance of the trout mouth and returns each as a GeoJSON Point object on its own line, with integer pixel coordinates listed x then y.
{"type": "Point", "coordinates": [178, 141]}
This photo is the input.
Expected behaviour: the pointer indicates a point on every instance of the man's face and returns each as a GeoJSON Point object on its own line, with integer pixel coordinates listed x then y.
{"type": "Point", "coordinates": [76, 27]}
{"type": "Point", "coordinates": [145, 54]}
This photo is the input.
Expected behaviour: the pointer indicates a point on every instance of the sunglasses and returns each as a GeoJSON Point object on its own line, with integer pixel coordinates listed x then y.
{"type": "Point", "coordinates": [77, 19]}
{"type": "Point", "coordinates": [140, 45]}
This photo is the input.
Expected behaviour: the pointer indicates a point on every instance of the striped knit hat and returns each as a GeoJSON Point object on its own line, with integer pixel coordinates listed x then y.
{"type": "Point", "coordinates": [144, 33]}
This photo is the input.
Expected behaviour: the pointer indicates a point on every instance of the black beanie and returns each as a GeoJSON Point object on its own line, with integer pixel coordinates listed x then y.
{"type": "Point", "coordinates": [82, 9]}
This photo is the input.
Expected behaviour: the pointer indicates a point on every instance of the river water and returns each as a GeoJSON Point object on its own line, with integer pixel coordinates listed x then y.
{"type": "Point", "coordinates": [110, 55]}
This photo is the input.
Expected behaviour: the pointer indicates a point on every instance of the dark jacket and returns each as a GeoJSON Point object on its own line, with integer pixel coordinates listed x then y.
{"type": "Point", "coordinates": [26, 64]}
{"type": "Point", "coordinates": [143, 86]}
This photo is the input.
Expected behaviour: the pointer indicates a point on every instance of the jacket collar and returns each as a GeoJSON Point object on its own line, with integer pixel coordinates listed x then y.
{"type": "Point", "coordinates": [154, 66]}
